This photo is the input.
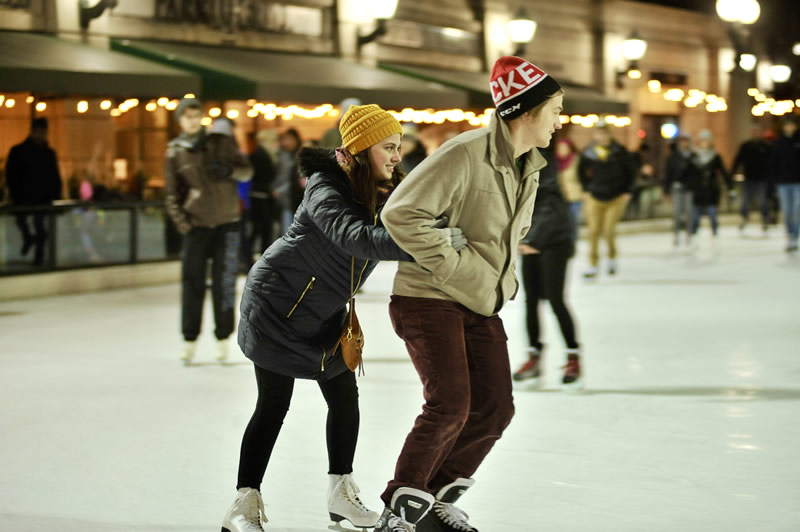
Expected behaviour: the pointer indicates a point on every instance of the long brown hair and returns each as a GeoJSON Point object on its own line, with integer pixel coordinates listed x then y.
{"type": "Point", "coordinates": [364, 185]}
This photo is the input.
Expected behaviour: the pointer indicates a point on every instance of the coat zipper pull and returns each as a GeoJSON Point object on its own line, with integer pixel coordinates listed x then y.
{"type": "Point", "coordinates": [309, 286]}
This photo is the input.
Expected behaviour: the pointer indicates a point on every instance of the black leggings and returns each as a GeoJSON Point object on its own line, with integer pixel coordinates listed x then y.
{"type": "Point", "coordinates": [274, 396]}
{"type": "Point", "coordinates": [543, 275]}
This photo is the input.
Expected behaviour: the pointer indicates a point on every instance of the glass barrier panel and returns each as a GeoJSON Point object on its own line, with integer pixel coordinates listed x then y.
{"type": "Point", "coordinates": [151, 231]}
{"type": "Point", "coordinates": [24, 242]}
{"type": "Point", "coordinates": [88, 235]}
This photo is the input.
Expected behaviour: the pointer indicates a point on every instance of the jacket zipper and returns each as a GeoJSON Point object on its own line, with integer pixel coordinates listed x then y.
{"type": "Point", "coordinates": [324, 354]}
{"type": "Point", "coordinates": [309, 286]}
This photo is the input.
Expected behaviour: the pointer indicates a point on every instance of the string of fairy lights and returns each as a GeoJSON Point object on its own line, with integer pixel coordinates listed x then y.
{"type": "Point", "coordinates": [273, 111]}
{"type": "Point", "coordinates": [692, 98]}
{"type": "Point", "coordinates": [765, 104]}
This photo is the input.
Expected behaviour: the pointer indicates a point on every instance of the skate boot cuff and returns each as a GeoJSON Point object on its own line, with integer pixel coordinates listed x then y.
{"type": "Point", "coordinates": [411, 504]}
{"type": "Point", "coordinates": [452, 492]}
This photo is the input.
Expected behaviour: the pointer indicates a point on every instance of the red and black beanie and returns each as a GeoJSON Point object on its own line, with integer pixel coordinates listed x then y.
{"type": "Point", "coordinates": [518, 86]}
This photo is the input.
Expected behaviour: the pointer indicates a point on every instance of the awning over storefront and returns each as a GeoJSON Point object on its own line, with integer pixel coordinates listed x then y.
{"type": "Point", "coordinates": [45, 64]}
{"type": "Point", "coordinates": [579, 99]}
{"type": "Point", "coordinates": [230, 73]}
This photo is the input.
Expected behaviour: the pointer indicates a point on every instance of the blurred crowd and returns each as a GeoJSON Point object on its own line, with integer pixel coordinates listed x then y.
{"type": "Point", "coordinates": [601, 183]}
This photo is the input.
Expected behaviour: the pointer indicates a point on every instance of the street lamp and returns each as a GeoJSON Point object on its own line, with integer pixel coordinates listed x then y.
{"type": "Point", "coordinates": [780, 73]}
{"type": "Point", "coordinates": [739, 14]}
{"type": "Point", "coordinates": [522, 29]}
{"type": "Point", "coordinates": [634, 47]}
{"type": "Point", "coordinates": [633, 50]}
{"type": "Point", "coordinates": [796, 48]}
{"type": "Point", "coordinates": [742, 11]}
{"type": "Point", "coordinates": [748, 62]}
{"type": "Point", "coordinates": [87, 13]}
{"type": "Point", "coordinates": [381, 11]}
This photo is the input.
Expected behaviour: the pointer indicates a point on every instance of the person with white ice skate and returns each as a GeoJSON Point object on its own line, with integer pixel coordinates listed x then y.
{"type": "Point", "coordinates": [295, 304]}
{"type": "Point", "coordinates": [445, 304]}
{"type": "Point", "coordinates": [201, 174]}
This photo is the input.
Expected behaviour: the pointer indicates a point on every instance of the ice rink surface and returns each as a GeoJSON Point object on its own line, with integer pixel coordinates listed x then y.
{"type": "Point", "coordinates": [690, 420]}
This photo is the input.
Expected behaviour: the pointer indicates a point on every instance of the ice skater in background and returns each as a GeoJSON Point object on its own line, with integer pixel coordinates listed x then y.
{"type": "Point", "coordinates": [707, 175]}
{"type": "Point", "coordinates": [677, 187]}
{"type": "Point", "coordinates": [546, 251]}
{"type": "Point", "coordinates": [753, 158]}
{"type": "Point", "coordinates": [567, 158]}
{"type": "Point", "coordinates": [785, 173]}
{"type": "Point", "coordinates": [607, 172]}
{"type": "Point", "coordinates": [445, 304]}
{"type": "Point", "coordinates": [202, 171]}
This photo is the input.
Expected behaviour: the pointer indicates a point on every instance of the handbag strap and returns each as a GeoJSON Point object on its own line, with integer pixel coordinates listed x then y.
{"type": "Point", "coordinates": [352, 296]}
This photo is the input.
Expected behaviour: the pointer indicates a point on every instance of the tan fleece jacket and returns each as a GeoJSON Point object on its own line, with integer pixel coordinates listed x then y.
{"type": "Point", "coordinates": [473, 179]}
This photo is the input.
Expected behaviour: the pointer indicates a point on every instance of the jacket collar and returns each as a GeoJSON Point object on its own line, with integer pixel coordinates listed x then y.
{"type": "Point", "coordinates": [323, 161]}
{"type": "Point", "coordinates": [501, 151]}
{"type": "Point", "coordinates": [187, 142]}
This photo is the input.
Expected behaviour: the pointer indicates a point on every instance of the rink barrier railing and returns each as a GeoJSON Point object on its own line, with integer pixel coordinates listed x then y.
{"type": "Point", "coordinates": [89, 234]}
{"type": "Point", "coordinates": [94, 234]}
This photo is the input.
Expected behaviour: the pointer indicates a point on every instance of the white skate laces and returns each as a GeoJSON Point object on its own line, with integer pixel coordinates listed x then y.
{"type": "Point", "coordinates": [254, 512]}
{"type": "Point", "coordinates": [452, 516]}
{"type": "Point", "coordinates": [399, 524]}
{"type": "Point", "coordinates": [345, 504]}
{"type": "Point", "coordinates": [247, 514]}
{"type": "Point", "coordinates": [350, 493]}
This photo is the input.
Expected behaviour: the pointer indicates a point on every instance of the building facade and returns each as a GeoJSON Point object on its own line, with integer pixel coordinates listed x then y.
{"type": "Point", "coordinates": [579, 41]}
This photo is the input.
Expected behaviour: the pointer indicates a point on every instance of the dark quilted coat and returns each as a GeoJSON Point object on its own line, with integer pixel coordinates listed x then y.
{"type": "Point", "coordinates": [295, 298]}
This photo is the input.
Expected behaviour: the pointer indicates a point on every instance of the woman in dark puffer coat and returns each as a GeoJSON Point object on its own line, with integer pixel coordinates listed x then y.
{"type": "Point", "coordinates": [295, 303]}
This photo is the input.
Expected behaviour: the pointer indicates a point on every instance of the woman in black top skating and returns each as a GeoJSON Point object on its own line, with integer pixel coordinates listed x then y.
{"type": "Point", "coordinates": [546, 251]}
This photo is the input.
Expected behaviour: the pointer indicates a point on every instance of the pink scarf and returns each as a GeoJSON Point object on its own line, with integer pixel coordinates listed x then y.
{"type": "Point", "coordinates": [565, 162]}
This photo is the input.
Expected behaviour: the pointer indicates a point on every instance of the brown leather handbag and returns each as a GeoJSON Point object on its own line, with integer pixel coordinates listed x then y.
{"type": "Point", "coordinates": [351, 341]}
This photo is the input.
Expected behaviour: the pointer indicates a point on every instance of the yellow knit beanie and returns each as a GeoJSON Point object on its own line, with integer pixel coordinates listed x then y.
{"type": "Point", "coordinates": [365, 125]}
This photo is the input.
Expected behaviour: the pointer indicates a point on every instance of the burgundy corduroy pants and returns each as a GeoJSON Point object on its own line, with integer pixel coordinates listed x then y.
{"type": "Point", "coordinates": [462, 360]}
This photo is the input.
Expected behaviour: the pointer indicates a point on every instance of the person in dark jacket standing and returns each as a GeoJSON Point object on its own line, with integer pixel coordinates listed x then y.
{"type": "Point", "coordinates": [413, 150]}
{"type": "Point", "coordinates": [707, 173]}
{"type": "Point", "coordinates": [263, 207]}
{"type": "Point", "coordinates": [607, 172]}
{"type": "Point", "coordinates": [785, 173]}
{"type": "Point", "coordinates": [546, 251]}
{"type": "Point", "coordinates": [677, 187]}
{"type": "Point", "coordinates": [201, 173]}
{"type": "Point", "coordinates": [753, 158]}
{"type": "Point", "coordinates": [287, 180]}
{"type": "Point", "coordinates": [33, 179]}
{"type": "Point", "coordinates": [295, 304]}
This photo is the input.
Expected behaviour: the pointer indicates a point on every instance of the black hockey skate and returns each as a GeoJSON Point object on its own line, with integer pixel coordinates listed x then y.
{"type": "Point", "coordinates": [445, 516]}
{"type": "Point", "coordinates": [408, 507]}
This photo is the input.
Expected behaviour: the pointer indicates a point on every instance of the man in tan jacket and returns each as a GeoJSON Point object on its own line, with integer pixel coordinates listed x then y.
{"type": "Point", "coordinates": [445, 304]}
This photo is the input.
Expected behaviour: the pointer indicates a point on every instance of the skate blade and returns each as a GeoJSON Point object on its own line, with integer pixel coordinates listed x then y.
{"type": "Point", "coordinates": [529, 385]}
{"type": "Point", "coordinates": [340, 528]}
{"type": "Point", "coordinates": [575, 387]}
{"type": "Point", "coordinates": [339, 522]}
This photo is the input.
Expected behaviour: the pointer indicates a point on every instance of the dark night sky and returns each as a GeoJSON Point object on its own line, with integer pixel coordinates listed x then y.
{"type": "Point", "coordinates": [779, 24]}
